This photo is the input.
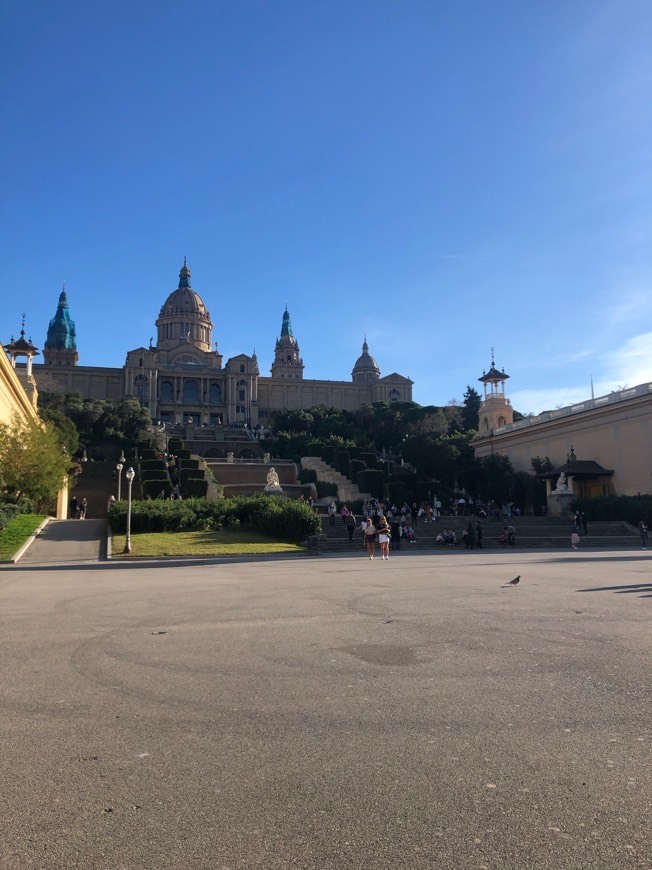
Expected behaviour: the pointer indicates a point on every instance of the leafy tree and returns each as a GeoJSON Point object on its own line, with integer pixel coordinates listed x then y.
{"type": "Point", "coordinates": [540, 466]}
{"type": "Point", "coordinates": [497, 477]}
{"type": "Point", "coordinates": [471, 409]}
{"type": "Point", "coordinates": [33, 461]}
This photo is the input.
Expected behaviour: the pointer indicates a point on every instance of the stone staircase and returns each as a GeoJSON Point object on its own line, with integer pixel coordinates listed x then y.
{"type": "Point", "coordinates": [96, 484]}
{"type": "Point", "coordinates": [531, 533]}
{"type": "Point", "coordinates": [346, 490]}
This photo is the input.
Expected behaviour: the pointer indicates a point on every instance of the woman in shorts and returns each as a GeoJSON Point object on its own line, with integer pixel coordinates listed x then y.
{"type": "Point", "coordinates": [370, 538]}
{"type": "Point", "coordinates": [383, 537]}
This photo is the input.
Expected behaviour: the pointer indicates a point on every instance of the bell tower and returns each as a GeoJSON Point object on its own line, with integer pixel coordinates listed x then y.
{"type": "Point", "coordinates": [60, 347]}
{"type": "Point", "coordinates": [495, 410]}
{"type": "Point", "coordinates": [287, 362]}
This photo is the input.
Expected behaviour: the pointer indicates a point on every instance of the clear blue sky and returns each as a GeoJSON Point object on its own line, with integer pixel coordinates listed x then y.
{"type": "Point", "coordinates": [438, 176]}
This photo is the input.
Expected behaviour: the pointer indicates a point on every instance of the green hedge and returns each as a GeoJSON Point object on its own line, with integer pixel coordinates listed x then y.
{"type": "Point", "coordinates": [627, 508]}
{"type": "Point", "coordinates": [151, 464]}
{"type": "Point", "coordinates": [342, 462]}
{"type": "Point", "coordinates": [373, 481]}
{"type": "Point", "coordinates": [182, 454]}
{"type": "Point", "coordinates": [355, 467]}
{"type": "Point", "coordinates": [325, 489]}
{"type": "Point", "coordinates": [189, 463]}
{"type": "Point", "coordinates": [194, 487]}
{"type": "Point", "coordinates": [154, 489]}
{"type": "Point", "coordinates": [175, 444]}
{"type": "Point", "coordinates": [314, 448]}
{"type": "Point", "coordinates": [153, 474]}
{"type": "Point", "coordinates": [308, 475]}
{"type": "Point", "coordinates": [398, 492]}
{"type": "Point", "coordinates": [371, 459]}
{"type": "Point", "coordinates": [284, 519]}
{"type": "Point", "coordinates": [186, 474]}
{"type": "Point", "coordinates": [328, 453]}
{"type": "Point", "coordinates": [148, 453]}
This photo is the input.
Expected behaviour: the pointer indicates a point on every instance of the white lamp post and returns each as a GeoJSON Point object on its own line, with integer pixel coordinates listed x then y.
{"type": "Point", "coordinates": [119, 467]}
{"type": "Point", "coordinates": [129, 474]}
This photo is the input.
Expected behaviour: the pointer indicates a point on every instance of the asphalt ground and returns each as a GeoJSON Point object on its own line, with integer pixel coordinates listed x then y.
{"type": "Point", "coordinates": [328, 712]}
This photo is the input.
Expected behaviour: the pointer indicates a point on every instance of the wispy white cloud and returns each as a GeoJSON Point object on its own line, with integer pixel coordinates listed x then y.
{"type": "Point", "coordinates": [631, 363]}
{"type": "Point", "coordinates": [628, 365]}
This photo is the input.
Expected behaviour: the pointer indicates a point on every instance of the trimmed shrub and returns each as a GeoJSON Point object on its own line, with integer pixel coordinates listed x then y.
{"type": "Point", "coordinates": [153, 474]}
{"type": "Point", "coordinates": [194, 487]}
{"type": "Point", "coordinates": [325, 489]}
{"type": "Point", "coordinates": [154, 489]}
{"type": "Point", "coordinates": [189, 463]}
{"type": "Point", "coordinates": [343, 462]}
{"type": "Point", "coordinates": [355, 467]}
{"type": "Point", "coordinates": [371, 459]}
{"type": "Point", "coordinates": [151, 464]}
{"type": "Point", "coordinates": [328, 453]}
{"type": "Point", "coordinates": [308, 475]}
{"type": "Point", "coordinates": [373, 481]}
{"type": "Point", "coordinates": [314, 448]}
{"type": "Point", "coordinates": [175, 444]}
{"type": "Point", "coordinates": [186, 474]}
{"type": "Point", "coordinates": [148, 453]}
{"type": "Point", "coordinates": [182, 454]}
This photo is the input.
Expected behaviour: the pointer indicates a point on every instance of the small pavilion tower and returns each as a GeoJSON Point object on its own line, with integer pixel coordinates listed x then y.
{"type": "Point", "coordinates": [495, 410]}
{"type": "Point", "coordinates": [61, 344]}
{"type": "Point", "coordinates": [23, 348]}
{"type": "Point", "coordinates": [365, 370]}
{"type": "Point", "coordinates": [287, 361]}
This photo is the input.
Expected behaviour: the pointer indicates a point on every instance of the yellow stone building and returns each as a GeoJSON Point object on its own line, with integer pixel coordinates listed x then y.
{"type": "Point", "coordinates": [181, 378]}
{"type": "Point", "coordinates": [602, 445]}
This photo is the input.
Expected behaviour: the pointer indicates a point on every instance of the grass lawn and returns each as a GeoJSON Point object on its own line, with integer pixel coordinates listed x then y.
{"type": "Point", "coordinates": [225, 543]}
{"type": "Point", "coordinates": [17, 532]}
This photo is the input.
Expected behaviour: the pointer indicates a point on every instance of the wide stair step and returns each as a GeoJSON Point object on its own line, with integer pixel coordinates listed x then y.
{"type": "Point", "coordinates": [346, 490]}
{"type": "Point", "coordinates": [531, 533]}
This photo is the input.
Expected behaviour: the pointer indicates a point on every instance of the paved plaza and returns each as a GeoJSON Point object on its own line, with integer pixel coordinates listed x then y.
{"type": "Point", "coordinates": [326, 713]}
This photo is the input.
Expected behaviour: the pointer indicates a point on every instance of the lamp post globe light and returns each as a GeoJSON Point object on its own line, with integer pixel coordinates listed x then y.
{"type": "Point", "coordinates": [129, 474]}
{"type": "Point", "coordinates": [119, 468]}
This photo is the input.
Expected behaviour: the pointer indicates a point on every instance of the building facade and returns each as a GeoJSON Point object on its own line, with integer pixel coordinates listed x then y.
{"type": "Point", "coordinates": [603, 445]}
{"type": "Point", "coordinates": [182, 378]}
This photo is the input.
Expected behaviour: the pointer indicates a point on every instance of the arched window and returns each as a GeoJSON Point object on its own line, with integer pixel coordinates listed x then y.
{"type": "Point", "coordinates": [190, 391]}
{"type": "Point", "coordinates": [242, 368]}
{"type": "Point", "coordinates": [215, 394]}
{"type": "Point", "coordinates": [167, 393]}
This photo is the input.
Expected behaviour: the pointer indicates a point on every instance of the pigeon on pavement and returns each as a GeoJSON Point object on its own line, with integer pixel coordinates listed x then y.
{"type": "Point", "coordinates": [515, 581]}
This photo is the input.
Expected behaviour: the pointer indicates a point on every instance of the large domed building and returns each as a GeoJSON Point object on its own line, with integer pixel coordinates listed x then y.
{"type": "Point", "coordinates": [181, 378]}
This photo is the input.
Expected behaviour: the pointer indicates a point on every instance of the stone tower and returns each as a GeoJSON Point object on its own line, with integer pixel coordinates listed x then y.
{"type": "Point", "coordinates": [60, 347]}
{"type": "Point", "coordinates": [287, 362]}
{"type": "Point", "coordinates": [495, 410]}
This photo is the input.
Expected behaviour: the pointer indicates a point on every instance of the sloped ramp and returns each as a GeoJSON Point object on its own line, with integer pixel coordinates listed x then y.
{"type": "Point", "coordinates": [67, 542]}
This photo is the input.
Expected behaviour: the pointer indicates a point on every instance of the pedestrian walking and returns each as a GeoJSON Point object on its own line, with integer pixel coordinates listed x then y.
{"type": "Point", "coordinates": [383, 538]}
{"type": "Point", "coordinates": [575, 535]}
{"type": "Point", "coordinates": [478, 535]}
{"type": "Point", "coordinates": [370, 538]}
{"type": "Point", "coordinates": [332, 510]}
{"type": "Point", "coordinates": [83, 507]}
{"type": "Point", "coordinates": [74, 508]}
{"type": "Point", "coordinates": [642, 528]}
{"type": "Point", "coordinates": [350, 523]}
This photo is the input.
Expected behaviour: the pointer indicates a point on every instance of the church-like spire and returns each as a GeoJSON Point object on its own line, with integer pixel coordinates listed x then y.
{"type": "Point", "coordinates": [286, 326]}
{"type": "Point", "coordinates": [184, 275]}
{"type": "Point", "coordinates": [287, 361]}
{"type": "Point", "coordinates": [61, 344]}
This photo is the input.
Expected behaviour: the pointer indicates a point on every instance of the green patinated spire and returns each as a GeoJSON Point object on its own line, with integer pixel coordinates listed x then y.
{"type": "Point", "coordinates": [184, 275]}
{"type": "Point", "coordinates": [61, 331]}
{"type": "Point", "coordinates": [286, 328]}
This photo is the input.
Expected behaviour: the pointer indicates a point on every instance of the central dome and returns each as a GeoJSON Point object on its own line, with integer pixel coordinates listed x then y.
{"type": "Point", "coordinates": [184, 317]}
{"type": "Point", "coordinates": [366, 368]}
